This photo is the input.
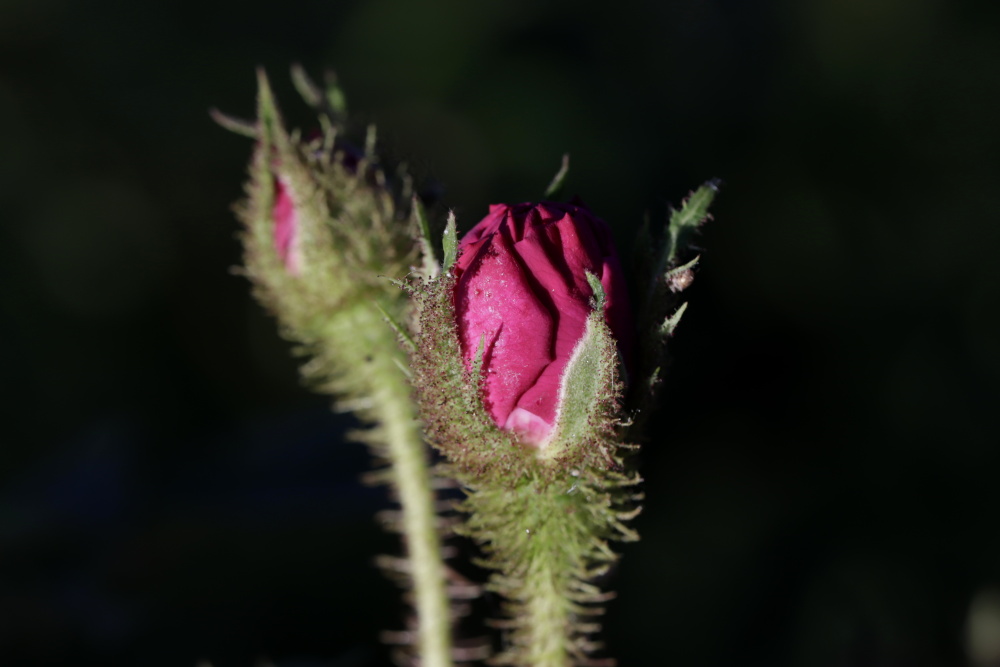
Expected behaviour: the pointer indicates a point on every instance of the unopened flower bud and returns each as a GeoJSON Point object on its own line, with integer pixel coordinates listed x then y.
{"type": "Point", "coordinates": [522, 293]}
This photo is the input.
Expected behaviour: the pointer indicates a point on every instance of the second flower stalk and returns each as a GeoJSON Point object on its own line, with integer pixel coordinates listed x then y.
{"type": "Point", "coordinates": [518, 359]}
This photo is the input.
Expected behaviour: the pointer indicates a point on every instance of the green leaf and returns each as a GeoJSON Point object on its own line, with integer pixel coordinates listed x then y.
{"type": "Point", "coordinates": [694, 210]}
{"type": "Point", "coordinates": [267, 109]}
{"type": "Point", "coordinates": [449, 241]}
{"type": "Point", "coordinates": [692, 213]}
{"type": "Point", "coordinates": [668, 326]}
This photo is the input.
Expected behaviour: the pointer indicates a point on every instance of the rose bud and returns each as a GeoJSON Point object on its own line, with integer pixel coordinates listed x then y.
{"type": "Point", "coordinates": [522, 293]}
{"type": "Point", "coordinates": [286, 228]}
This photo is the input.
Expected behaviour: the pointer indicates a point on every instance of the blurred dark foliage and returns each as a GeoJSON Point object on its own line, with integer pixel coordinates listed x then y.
{"type": "Point", "coordinates": [823, 480]}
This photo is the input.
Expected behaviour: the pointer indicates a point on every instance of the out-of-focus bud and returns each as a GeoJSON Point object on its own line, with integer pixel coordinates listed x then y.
{"type": "Point", "coordinates": [286, 233]}
{"type": "Point", "coordinates": [324, 227]}
{"type": "Point", "coordinates": [522, 298]}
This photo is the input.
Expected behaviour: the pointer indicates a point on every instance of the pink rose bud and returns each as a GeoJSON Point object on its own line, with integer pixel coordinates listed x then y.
{"type": "Point", "coordinates": [286, 228]}
{"type": "Point", "coordinates": [522, 288]}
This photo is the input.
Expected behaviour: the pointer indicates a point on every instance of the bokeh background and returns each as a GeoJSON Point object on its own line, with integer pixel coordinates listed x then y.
{"type": "Point", "coordinates": [823, 483]}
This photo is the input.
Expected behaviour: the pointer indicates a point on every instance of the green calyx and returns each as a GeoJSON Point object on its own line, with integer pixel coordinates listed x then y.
{"type": "Point", "coordinates": [586, 432]}
{"type": "Point", "coordinates": [449, 395]}
{"type": "Point", "coordinates": [352, 231]}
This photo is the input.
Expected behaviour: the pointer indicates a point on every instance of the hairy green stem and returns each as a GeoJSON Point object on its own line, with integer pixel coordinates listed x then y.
{"type": "Point", "coordinates": [545, 545]}
{"type": "Point", "coordinates": [412, 480]}
{"type": "Point", "coordinates": [399, 432]}
{"type": "Point", "coordinates": [547, 628]}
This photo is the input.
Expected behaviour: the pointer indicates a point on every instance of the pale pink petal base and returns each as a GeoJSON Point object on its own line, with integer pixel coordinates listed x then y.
{"type": "Point", "coordinates": [531, 428]}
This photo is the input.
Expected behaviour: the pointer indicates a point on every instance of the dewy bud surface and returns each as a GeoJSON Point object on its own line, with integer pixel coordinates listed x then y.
{"type": "Point", "coordinates": [521, 288]}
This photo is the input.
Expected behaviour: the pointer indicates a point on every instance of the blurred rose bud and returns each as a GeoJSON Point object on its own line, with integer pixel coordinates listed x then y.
{"type": "Point", "coordinates": [286, 228]}
{"type": "Point", "coordinates": [521, 288]}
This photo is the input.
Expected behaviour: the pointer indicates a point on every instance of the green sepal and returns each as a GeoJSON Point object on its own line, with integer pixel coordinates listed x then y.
{"type": "Point", "coordinates": [450, 395]}
{"type": "Point", "coordinates": [246, 128]}
{"type": "Point", "coordinates": [422, 231]}
{"type": "Point", "coordinates": [306, 87]}
{"type": "Point", "coordinates": [449, 241]}
{"type": "Point", "coordinates": [669, 324]}
{"type": "Point", "coordinates": [261, 259]}
{"type": "Point", "coordinates": [559, 180]}
{"type": "Point", "coordinates": [589, 396]}
{"type": "Point", "coordinates": [599, 298]}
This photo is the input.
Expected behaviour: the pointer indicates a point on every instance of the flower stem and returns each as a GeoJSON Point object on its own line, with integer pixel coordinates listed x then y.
{"type": "Point", "coordinates": [407, 455]}
{"type": "Point", "coordinates": [547, 627]}
{"type": "Point", "coordinates": [545, 545]}
{"type": "Point", "coordinates": [546, 632]}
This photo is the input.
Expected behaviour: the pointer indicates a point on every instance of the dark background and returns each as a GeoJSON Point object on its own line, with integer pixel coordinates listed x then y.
{"type": "Point", "coordinates": [822, 489]}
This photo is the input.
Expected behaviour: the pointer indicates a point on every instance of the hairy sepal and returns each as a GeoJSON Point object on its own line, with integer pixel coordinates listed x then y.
{"type": "Point", "coordinates": [585, 433]}
{"type": "Point", "coordinates": [450, 395]}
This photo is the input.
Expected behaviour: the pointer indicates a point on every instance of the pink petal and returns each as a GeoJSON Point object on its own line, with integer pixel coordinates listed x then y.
{"type": "Point", "coordinates": [286, 221]}
{"type": "Point", "coordinates": [495, 299]}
